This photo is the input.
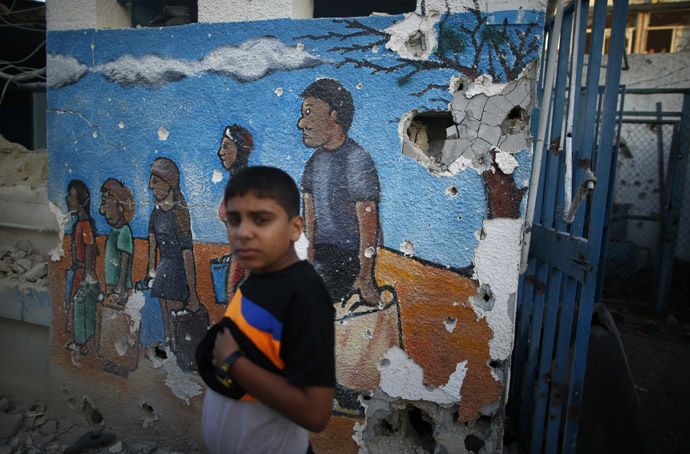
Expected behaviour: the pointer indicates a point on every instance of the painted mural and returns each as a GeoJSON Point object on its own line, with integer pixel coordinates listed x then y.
{"type": "Point", "coordinates": [159, 119]}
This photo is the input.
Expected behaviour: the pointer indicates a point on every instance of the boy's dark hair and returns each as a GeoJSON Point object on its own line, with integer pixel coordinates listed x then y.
{"type": "Point", "coordinates": [265, 182]}
{"type": "Point", "coordinates": [336, 96]}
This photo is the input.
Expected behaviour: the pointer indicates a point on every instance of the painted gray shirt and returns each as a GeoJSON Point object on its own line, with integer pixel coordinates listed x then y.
{"type": "Point", "coordinates": [337, 180]}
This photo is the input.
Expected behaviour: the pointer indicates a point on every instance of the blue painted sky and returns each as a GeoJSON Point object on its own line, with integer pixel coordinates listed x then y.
{"type": "Point", "coordinates": [99, 128]}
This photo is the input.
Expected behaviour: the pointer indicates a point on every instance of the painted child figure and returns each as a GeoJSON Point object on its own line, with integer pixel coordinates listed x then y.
{"type": "Point", "coordinates": [269, 364]}
{"type": "Point", "coordinates": [117, 206]}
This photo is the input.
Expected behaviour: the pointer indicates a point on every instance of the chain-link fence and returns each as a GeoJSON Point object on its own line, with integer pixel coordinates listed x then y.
{"type": "Point", "coordinates": [642, 194]}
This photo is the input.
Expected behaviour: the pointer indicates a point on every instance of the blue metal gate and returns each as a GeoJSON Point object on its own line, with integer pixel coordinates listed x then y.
{"type": "Point", "coordinates": [557, 291]}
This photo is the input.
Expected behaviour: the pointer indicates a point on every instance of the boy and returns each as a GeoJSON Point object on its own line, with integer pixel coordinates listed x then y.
{"type": "Point", "coordinates": [269, 363]}
{"type": "Point", "coordinates": [117, 206]}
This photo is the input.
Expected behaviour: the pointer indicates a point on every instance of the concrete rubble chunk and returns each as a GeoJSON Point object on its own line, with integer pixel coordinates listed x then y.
{"type": "Point", "coordinates": [10, 424]}
{"type": "Point", "coordinates": [36, 272]}
{"type": "Point", "coordinates": [475, 107]}
{"type": "Point", "coordinates": [18, 255]}
{"type": "Point", "coordinates": [49, 427]}
{"type": "Point", "coordinates": [24, 245]}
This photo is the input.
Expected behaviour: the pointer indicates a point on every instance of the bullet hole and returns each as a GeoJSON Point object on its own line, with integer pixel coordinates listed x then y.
{"type": "Point", "coordinates": [428, 132]}
{"type": "Point", "coordinates": [385, 362]}
{"type": "Point", "coordinates": [495, 364]}
{"type": "Point", "coordinates": [421, 424]}
{"type": "Point", "coordinates": [90, 413]}
{"type": "Point", "coordinates": [639, 225]}
{"type": "Point", "coordinates": [642, 195]}
{"type": "Point", "coordinates": [637, 183]}
{"type": "Point", "coordinates": [623, 182]}
{"type": "Point", "coordinates": [160, 353]}
{"type": "Point", "coordinates": [384, 428]}
{"type": "Point", "coordinates": [366, 397]}
{"type": "Point", "coordinates": [473, 443]}
{"type": "Point", "coordinates": [484, 299]}
{"type": "Point", "coordinates": [416, 44]}
{"type": "Point", "coordinates": [407, 247]}
{"type": "Point", "coordinates": [450, 324]}
{"type": "Point", "coordinates": [453, 191]}
{"type": "Point", "coordinates": [515, 121]}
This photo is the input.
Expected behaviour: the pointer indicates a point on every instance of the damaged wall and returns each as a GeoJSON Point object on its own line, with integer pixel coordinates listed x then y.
{"type": "Point", "coordinates": [440, 102]}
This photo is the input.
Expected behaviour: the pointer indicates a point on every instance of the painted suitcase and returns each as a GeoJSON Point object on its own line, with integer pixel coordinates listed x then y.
{"type": "Point", "coordinates": [190, 328]}
{"type": "Point", "coordinates": [117, 337]}
{"type": "Point", "coordinates": [151, 330]}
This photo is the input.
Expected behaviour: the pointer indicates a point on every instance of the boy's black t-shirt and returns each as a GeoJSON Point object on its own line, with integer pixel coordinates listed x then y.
{"type": "Point", "coordinates": [284, 322]}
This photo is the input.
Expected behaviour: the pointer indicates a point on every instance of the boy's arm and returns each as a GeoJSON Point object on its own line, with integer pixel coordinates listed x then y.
{"type": "Point", "coordinates": [308, 406]}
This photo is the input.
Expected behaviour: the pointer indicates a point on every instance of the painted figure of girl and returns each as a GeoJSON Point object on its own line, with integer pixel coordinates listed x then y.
{"type": "Point", "coordinates": [170, 236]}
{"type": "Point", "coordinates": [85, 291]}
{"type": "Point", "coordinates": [235, 147]}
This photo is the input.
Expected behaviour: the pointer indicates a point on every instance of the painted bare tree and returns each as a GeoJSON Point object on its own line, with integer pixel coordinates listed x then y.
{"type": "Point", "coordinates": [468, 45]}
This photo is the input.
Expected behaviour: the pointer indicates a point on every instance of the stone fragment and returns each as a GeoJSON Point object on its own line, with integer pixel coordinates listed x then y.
{"type": "Point", "coordinates": [24, 245]}
{"type": "Point", "coordinates": [18, 255]}
{"type": "Point", "coordinates": [36, 272]}
{"type": "Point", "coordinates": [10, 424]}
{"type": "Point", "coordinates": [117, 447]}
{"type": "Point", "coordinates": [25, 263]}
{"type": "Point", "coordinates": [49, 428]}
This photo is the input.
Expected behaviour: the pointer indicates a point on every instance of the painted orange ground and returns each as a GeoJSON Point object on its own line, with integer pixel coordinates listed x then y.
{"type": "Point", "coordinates": [428, 297]}
{"type": "Point", "coordinates": [337, 438]}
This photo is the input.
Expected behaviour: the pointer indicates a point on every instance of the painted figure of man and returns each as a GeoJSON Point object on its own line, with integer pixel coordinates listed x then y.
{"type": "Point", "coordinates": [341, 193]}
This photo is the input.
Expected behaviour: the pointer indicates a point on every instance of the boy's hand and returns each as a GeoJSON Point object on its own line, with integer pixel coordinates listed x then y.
{"type": "Point", "coordinates": [225, 346]}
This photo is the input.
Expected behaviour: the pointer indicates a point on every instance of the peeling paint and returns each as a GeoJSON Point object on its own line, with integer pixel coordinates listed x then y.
{"type": "Point", "coordinates": [493, 264]}
{"type": "Point", "coordinates": [183, 385]}
{"type": "Point", "coordinates": [217, 176]}
{"type": "Point", "coordinates": [62, 219]}
{"type": "Point", "coordinates": [506, 162]}
{"type": "Point", "coordinates": [414, 37]}
{"type": "Point", "coordinates": [402, 378]}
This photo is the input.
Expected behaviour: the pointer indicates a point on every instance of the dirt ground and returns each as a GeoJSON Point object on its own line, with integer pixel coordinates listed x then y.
{"type": "Point", "coordinates": [658, 352]}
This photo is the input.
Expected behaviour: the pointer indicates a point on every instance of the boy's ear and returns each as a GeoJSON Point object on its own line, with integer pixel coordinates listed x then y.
{"type": "Point", "coordinates": [296, 227]}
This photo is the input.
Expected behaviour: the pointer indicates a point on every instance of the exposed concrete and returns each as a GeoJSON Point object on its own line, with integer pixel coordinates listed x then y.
{"type": "Point", "coordinates": [237, 10]}
{"type": "Point", "coordinates": [79, 14]}
{"type": "Point", "coordinates": [485, 116]}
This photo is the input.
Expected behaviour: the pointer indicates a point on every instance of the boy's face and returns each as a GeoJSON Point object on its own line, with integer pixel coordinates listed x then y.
{"type": "Point", "coordinates": [260, 234]}
{"type": "Point", "coordinates": [112, 210]}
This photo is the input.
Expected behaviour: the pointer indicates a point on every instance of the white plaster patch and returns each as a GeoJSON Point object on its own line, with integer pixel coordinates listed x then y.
{"type": "Point", "coordinates": [450, 323]}
{"type": "Point", "coordinates": [299, 47]}
{"type": "Point", "coordinates": [183, 385]}
{"type": "Point", "coordinates": [133, 308]}
{"type": "Point", "coordinates": [506, 162]}
{"type": "Point", "coordinates": [485, 85]}
{"type": "Point", "coordinates": [497, 264]}
{"type": "Point", "coordinates": [279, 91]}
{"type": "Point", "coordinates": [217, 176]}
{"type": "Point", "coordinates": [414, 37]}
{"type": "Point", "coordinates": [62, 219]}
{"type": "Point", "coordinates": [369, 252]}
{"type": "Point", "coordinates": [95, 134]}
{"type": "Point", "coordinates": [163, 134]}
{"type": "Point", "coordinates": [121, 125]}
{"type": "Point", "coordinates": [407, 247]}
{"type": "Point", "coordinates": [402, 378]}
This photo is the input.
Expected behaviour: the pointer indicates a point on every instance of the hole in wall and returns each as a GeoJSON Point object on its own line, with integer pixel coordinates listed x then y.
{"type": "Point", "coordinates": [473, 443]}
{"type": "Point", "coordinates": [424, 429]}
{"type": "Point", "coordinates": [159, 352]}
{"type": "Point", "coordinates": [428, 132]}
{"type": "Point", "coordinates": [90, 413]}
{"type": "Point", "coordinates": [516, 120]}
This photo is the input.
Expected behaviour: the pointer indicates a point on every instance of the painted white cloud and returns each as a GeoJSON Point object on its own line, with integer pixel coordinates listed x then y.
{"type": "Point", "coordinates": [64, 70]}
{"type": "Point", "coordinates": [250, 61]}
{"type": "Point", "coordinates": [257, 58]}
